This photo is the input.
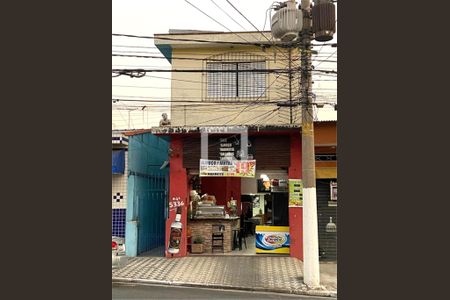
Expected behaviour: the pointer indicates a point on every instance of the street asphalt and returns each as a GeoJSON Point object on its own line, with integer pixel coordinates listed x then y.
{"type": "Point", "coordinates": [132, 291]}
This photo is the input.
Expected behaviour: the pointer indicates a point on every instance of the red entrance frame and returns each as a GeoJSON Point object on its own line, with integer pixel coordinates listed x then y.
{"type": "Point", "coordinates": [178, 190]}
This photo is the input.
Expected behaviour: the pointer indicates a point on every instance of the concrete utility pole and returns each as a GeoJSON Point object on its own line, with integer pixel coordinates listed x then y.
{"type": "Point", "coordinates": [311, 270]}
{"type": "Point", "coordinates": [290, 85]}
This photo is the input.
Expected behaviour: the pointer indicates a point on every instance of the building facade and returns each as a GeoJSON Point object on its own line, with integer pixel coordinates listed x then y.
{"type": "Point", "coordinates": [218, 98]}
{"type": "Point", "coordinates": [228, 95]}
{"type": "Point", "coordinates": [119, 182]}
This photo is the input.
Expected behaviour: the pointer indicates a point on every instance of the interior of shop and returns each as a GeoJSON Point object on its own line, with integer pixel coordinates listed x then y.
{"type": "Point", "coordinates": [225, 213]}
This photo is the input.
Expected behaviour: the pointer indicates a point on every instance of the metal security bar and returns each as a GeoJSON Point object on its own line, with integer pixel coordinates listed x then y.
{"type": "Point", "coordinates": [235, 85]}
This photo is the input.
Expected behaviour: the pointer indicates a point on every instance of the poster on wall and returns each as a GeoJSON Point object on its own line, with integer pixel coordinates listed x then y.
{"type": "Point", "coordinates": [295, 193]}
{"type": "Point", "coordinates": [174, 228]}
{"type": "Point", "coordinates": [227, 168]}
{"type": "Point", "coordinates": [272, 239]}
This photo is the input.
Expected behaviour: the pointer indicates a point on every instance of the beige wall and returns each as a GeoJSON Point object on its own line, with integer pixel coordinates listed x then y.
{"type": "Point", "coordinates": [192, 86]}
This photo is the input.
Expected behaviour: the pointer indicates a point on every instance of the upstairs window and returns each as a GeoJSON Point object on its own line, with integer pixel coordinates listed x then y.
{"type": "Point", "coordinates": [235, 84]}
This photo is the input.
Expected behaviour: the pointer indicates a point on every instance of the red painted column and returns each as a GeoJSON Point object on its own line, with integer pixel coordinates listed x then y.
{"type": "Point", "coordinates": [178, 192]}
{"type": "Point", "coordinates": [296, 213]}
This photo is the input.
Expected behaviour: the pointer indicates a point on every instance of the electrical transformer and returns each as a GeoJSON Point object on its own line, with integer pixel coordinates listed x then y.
{"type": "Point", "coordinates": [323, 20]}
{"type": "Point", "coordinates": [287, 22]}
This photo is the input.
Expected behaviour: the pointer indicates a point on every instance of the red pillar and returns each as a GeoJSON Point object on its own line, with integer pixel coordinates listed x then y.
{"type": "Point", "coordinates": [178, 189]}
{"type": "Point", "coordinates": [296, 213]}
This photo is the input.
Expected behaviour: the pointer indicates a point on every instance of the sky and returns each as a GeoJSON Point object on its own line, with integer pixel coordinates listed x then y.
{"type": "Point", "coordinates": [145, 17]}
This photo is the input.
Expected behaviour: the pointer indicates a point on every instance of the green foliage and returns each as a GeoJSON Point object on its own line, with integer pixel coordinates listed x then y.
{"type": "Point", "coordinates": [198, 240]}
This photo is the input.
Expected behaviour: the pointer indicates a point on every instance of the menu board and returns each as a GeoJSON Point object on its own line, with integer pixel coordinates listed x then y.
{"type": "Point", "coordinates": [226, 149]}
{"type": "Point", "coordinates": [295, 193]}
{"type": "Point", "coordinates": [230, 148]}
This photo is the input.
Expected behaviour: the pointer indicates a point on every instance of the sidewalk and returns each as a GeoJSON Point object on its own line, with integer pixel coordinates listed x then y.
{"type": "Point", "coordinates": [271, 274]}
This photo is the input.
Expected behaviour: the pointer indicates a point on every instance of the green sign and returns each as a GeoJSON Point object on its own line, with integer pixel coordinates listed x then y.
{"type": "Point", "coordinates": [295, 193]}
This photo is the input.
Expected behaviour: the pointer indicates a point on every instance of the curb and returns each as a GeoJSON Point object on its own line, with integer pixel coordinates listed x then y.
{"type": "Point", "coordinates": [319, 293]}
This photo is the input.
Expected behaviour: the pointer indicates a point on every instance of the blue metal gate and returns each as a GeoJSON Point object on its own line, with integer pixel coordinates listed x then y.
{"type": "Point", "coordinates": [147, 194]}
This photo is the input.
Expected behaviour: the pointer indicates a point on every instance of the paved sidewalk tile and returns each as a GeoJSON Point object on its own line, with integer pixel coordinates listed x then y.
{"type": "Point", "coordinates": [276, 273]}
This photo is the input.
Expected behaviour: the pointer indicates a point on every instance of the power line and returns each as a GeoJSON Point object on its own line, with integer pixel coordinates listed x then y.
{"type": "Point", "coordinates": [189, 40]}
{"type": "Point", "coordinates": [186, 58]}
{"type": "Point", "coordinates": [248, 102]}
{"type": "Point", "coordinates": [239, 24]}
{"type": "Point", "coordinates": [140, 72]}
{"type": "Point", "coordinates": [193, 53]}
{"type": "Point", "coordinates": [199, 89]}
{"type": "Point", "coordinates": [271, 42]}
{"type": "Point", "coordinates": [200, 59]}
{"type": "Point", "coordinates": [261, 44]}
{"type": "Point", "coordinates": [216, 21]}
{"type": "Point", "coordinates": [245, 17]}
{"type": "Point", "coordinates": [239, 113]}
{"type": "Point", "coordinates": [196, 81]}
{"type": "Point", "coordinates": [326, 58]}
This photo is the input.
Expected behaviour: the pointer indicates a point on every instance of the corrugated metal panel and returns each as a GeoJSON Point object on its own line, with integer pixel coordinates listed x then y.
{"type": "Point", "coordinates": [327, 240]}
{"type": "Point", "coordinates": [191, 152]}
{"type": "Point", "coordinates": [272, 152]}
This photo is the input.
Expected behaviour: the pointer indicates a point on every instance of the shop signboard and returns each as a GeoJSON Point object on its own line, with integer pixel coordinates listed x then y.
{"type": "Point", "coordinates": [295, 193]}
{"type": "Point", "coordinates": [272, 239]}
{"type": "Point", "coordinates": [227, 168]}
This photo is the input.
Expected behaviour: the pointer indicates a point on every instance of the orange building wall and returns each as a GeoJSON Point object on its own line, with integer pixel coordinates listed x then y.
{"type": "Point", "coordinates": [325, 133]}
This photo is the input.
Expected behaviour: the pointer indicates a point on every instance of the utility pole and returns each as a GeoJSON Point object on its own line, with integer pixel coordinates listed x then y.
{"type": "Point", "coordinates": [311, 269]}
{"type": "Point", "coordinates": [287, 23]}
{"type": "Point", "coordinates": [290, 85]}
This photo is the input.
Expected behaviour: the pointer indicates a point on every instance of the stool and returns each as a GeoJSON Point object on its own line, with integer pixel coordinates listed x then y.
{"type": "Point", "coordinates": [217, 237]}
{"type": "Point", "coordinates": [236, 239]}
{"type": "Point", "coordinates": [242, 235]}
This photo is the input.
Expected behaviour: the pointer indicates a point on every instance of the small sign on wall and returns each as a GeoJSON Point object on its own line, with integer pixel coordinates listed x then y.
{"type": "Point", "coordinates": [295, 193]}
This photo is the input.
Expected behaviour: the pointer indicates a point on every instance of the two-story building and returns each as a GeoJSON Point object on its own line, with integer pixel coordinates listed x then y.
{"type": "Point", "coordinates": [224, 84]}
{"type": "Point", "coordinates": [219, 91]}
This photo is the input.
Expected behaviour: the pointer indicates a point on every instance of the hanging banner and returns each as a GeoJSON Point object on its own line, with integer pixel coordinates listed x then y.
{"type": "Point", "coordinates": [227, 168]}
{"type": "Point", "coordinates": [295, 193]}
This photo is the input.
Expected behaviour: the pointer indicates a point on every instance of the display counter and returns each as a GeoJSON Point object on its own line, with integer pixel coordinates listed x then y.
{"type": "Point", "coordinates": [203, 226]}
